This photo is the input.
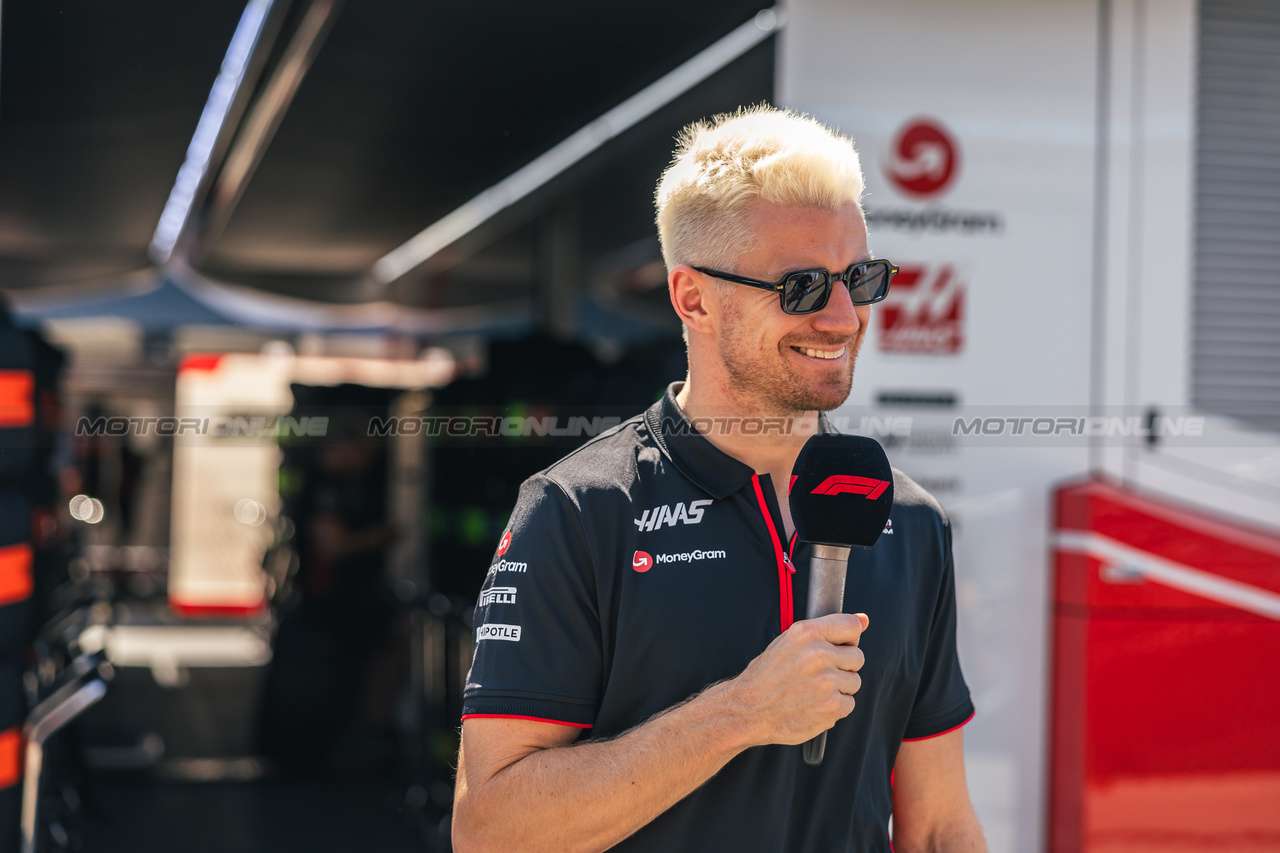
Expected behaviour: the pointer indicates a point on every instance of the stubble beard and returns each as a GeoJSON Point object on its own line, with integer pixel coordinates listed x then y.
{"type": "Point", "coordinates": [769, 387]}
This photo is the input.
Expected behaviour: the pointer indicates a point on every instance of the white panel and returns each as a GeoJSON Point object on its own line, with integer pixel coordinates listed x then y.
{"type": "Point", "coordinates": [1050, 103]}
{"type": "Point", "coordinates": [1178, 331]}
{"type": "Point", "coordinates": [1163, 323]}
{"type": "Point", "coordinates": [1149, 155]}
{"type": "Point", "coordinates": [1015, 85]}
{"type": "Point", "coordinates": [1237, 475]}
{"type": "Point", "coordinates": [1120, 139]}
{"type": "Point", "coordinates": [215, 555]}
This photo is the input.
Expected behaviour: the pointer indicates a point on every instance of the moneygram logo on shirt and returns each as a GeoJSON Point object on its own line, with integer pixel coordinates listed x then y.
{"type": "Point", "coordinates": [505, 565]}
{"type": "Point", "coordinates": [689, 556]}
{"type": "Point", "coordinates": [671, 516]}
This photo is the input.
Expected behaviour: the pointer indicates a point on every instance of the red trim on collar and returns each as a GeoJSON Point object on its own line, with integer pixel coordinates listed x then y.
{"type": "Point", "coordinates": [785, 605]}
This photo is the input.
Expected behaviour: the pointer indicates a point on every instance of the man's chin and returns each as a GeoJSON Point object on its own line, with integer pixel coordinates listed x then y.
{"type": "Point", "coordinates": [831, 394]}
{"type": "Point", "coordinates": [828, 402]}
{"type": "Point", "coordinates": [786, 393]}
{"type": "Point", "coordinates": [820, 398]}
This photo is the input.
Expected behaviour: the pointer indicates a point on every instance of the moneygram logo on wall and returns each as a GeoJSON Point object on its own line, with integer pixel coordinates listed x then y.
{"type": "Point", "coordinates": [922, 164]}
{"type": "Point", "coordinates": [923, 160]}
{"type": "Point", "coordinates": [924, 312]}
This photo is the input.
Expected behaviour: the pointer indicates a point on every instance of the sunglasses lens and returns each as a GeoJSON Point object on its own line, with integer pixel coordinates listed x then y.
{"type": "Point", "coordinates": [868, 282]}
{"type": "Point", "coordinates": [805, 292]}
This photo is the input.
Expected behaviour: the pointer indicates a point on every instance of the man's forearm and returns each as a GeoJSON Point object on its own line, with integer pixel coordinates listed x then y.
{"type": "Point", "coordinates": [590, 796]}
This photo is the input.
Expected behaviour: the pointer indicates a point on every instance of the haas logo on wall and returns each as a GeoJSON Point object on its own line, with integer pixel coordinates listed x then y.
{"type": "Point", "coordinates": [924, 312]}
{"type": "Point", "coordinates": [924, 159]}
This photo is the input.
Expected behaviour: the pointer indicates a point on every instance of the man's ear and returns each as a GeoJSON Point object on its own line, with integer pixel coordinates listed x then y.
{"type": "Point", "coordinates": [692, 295]}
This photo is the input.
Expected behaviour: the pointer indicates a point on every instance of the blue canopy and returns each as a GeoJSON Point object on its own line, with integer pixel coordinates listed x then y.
{"type": "Point", "coordinates": [166, 303]}
{"type": "Point", "coordinates": [159, 309]}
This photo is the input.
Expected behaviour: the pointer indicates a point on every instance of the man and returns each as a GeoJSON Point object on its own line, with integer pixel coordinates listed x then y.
{"type": "Point", "coordinates": [641, 680]}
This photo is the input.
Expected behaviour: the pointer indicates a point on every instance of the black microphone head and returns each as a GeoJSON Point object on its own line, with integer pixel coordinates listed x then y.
{"type": "Point", "coordinates": [843, 490]}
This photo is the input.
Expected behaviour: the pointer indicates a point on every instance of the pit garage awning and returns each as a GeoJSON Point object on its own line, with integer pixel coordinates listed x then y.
{"type": "Point", "coordinates": [446, 162]}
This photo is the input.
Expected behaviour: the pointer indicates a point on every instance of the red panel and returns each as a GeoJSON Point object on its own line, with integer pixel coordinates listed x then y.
{"type": "Point", "coordinates": [17, 403]}
{"type": "Point", "coordinates": [12, 746]}
{"type": "Point", "coordinates": [193, 609]}
{"type": "Point", "coordinates": [1067, 770]}
{"type": "Point", "coordinates": [16, 581]}
{"type": "Point", "coordinates": [1174, 533]}
{"type": "Point", "coordinates": [200, 361]}
{"type": "Point", "coordinates": [1165, 704]}
{"type": "Point", "coordinates": [1178, 697]}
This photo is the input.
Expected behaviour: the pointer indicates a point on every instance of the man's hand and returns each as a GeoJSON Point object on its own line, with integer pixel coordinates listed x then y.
{"type": "Point", "coordinates": [805, 681]}
{"type": "Point", "coordinates": [525, 785]}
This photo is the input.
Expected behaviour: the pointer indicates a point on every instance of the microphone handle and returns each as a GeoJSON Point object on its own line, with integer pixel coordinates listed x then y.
{"type": "Point", "coordinates": [827, 569]}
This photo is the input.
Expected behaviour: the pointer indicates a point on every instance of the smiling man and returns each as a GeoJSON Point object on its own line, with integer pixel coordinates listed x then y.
{"type": "Point", "coordinates": [642, 679]}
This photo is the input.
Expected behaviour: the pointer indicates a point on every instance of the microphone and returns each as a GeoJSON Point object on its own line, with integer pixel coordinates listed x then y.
{"type": "Point", "coordinates": [840, 497]}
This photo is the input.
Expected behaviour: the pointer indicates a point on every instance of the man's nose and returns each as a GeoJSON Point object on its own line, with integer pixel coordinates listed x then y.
{"type": "Point", "coordinates": [838, 315]}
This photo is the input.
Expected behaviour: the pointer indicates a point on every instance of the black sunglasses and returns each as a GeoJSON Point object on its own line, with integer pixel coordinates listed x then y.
{"type": "Point", "coordinates": [806, 291]}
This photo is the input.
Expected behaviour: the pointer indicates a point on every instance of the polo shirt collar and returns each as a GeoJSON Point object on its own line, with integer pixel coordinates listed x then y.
{"type": "Point", "coordinates": [714, 471]}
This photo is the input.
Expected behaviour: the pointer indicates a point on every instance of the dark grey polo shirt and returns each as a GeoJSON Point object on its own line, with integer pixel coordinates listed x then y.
{"type": "Point", "coordinates": [647, 565]}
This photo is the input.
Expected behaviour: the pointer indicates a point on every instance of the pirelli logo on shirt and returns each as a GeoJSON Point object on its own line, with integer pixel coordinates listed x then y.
{"type": "Point", "coordinates": [497, 631]}
{"type": "Point", "coordinates": [672, 515]}
{"type": "Point", "coordinates": [498, 595]}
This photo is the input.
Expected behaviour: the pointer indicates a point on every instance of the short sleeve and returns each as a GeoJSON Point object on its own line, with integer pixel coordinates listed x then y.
{"type": "Point", "coordinates": [537, 628]}
{"type": "Point", "coordinates": [942, 698]}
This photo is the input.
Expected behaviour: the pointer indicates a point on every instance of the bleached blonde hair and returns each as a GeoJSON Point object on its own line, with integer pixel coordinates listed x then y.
{"type": "Point", "coordinates": [723, 166]}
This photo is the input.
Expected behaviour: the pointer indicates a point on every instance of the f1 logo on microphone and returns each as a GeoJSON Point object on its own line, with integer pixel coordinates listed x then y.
{"type": "Point", "coordinates": [642, 561]}
{"type": "Point", "coordinates": [840, 484]}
